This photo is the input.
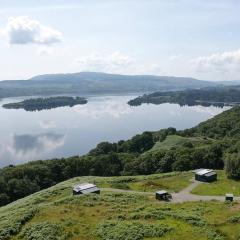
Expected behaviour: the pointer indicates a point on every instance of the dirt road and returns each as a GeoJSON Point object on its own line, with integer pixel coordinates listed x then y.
{"type": "Point", "coordinates": [183, 196]}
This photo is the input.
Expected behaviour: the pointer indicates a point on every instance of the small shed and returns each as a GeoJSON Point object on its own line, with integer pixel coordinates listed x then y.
{"type": "Point", "coordinates": [85, 188]}
{"type": "Point", "coordinates": [229, 197]}
{"type": "Point", "coordinates": [205, 175]}
{"type": "Point", "coordinates": [162, 195]}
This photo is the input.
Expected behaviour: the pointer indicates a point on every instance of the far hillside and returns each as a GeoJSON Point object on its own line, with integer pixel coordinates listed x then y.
{"type": "Point", "coordinates": [96, 83]}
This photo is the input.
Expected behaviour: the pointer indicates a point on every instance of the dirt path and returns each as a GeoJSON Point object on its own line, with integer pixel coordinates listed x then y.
{"type": "Point", "coordinates": [183, 196]}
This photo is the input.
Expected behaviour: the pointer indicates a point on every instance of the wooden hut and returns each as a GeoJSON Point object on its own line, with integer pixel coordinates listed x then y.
{"type": "Point", "coordinates": [205, 175]}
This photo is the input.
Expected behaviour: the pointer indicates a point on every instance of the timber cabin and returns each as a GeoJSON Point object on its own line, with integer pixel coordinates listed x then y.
{"type": "Point", "coordinates": [205, 175]}
{"type": "Point", "coordinates": [85, 188]}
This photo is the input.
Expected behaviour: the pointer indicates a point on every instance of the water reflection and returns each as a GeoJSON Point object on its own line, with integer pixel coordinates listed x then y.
{"type": "Point", "coordinates": [64, 132]}
{"type": "Point", "coordinates": [25, 144]}
{"type": "Point", "coordinates": [22, 148]}
{"type": "Point", "coordinates": [113, 108]}
{"type": "Point", "coordinates": [47, 124]}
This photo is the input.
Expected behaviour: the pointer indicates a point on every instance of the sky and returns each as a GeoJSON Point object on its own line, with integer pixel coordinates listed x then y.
{"type": "Point", "coordinates": [192, 38]}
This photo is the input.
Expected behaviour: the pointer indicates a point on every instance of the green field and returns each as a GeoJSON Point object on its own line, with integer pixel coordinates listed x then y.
{"type": "Point", "coordinates": [222, 186]}
{"type": "Point", "coordinates": [173, 182]}
{"type": "Point", "coordinates": [55, 214]}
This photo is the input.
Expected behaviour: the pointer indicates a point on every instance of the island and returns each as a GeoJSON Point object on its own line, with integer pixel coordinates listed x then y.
{"type": "Point", "coordinates": [220, 97]}
{"type": "Point", "coordinates": [38, 104]}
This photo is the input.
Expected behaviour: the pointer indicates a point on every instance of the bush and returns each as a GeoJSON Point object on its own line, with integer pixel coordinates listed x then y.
{"type": "Point", "coordinates": [234, 219]}
{"type": "Point", "coordinates": [131, 231]}
{"type": "Point", "coordinates": [120, 185]}
{"type": "Point", "coordinates": [43, 231]}
{"type": "Point", "coordinates": [232, 165]}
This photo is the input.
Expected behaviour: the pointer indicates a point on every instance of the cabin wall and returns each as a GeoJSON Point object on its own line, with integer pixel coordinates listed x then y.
{"type": "Point", "coordinates": [203, 178]}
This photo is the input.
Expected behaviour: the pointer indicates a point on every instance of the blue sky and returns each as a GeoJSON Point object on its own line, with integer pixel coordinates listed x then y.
{"type": "Point", "coordinates": [196, 38]}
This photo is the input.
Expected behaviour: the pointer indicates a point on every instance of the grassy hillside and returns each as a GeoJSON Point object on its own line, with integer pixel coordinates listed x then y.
{"type": "Point", "coordinates": [226, 124]}
{"type": "Point", "coordinates": [55, 214]}
{"type": "Point", "coordinates": [175, 141]}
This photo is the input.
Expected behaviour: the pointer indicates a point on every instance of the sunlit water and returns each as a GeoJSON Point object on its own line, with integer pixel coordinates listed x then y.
{"type": "Point", "coordinates": [66, 131]}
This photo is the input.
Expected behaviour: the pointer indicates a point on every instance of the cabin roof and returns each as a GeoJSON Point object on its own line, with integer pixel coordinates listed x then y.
{"type": "Point", "coordinates": [84, 187]}
{"type": "Point", "coordinates": [209, 174]}
{"type": "Point", "coordinates": [161, 192]}
{"type": "Point", "coordinates": [89, 190]}
{"type": "Point", "coordinates": [206, 172]}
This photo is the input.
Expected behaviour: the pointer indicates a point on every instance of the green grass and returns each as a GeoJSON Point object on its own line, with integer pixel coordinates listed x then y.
{"type": "Point", "coordinates": [55, 214]}
{"type": "Point", "coordinates": [173, 141]}
{"type": "Point", "coordinates": [222, 186]}
{"type": "Point", "coordinates": [172, 182]}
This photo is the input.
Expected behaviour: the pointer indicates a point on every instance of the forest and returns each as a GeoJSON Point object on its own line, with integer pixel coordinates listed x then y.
{"type": "Point", "coordinates": [38, 104]}
{"type": "Point", "coordinates": [220, 96]}
{"type": "Point", "coordinates": [212, 144]}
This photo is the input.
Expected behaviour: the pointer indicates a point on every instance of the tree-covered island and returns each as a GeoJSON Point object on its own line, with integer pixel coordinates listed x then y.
{"type": "Point", "coordinates": [38, 104]}
{"type": "Point", "coordinates": [223, 96]}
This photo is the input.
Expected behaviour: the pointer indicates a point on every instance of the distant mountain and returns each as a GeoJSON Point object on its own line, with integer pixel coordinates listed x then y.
{"type": "Point", "coordinates": [142, 81]}
{"type": "Point", "coordinates": [97, 83]}
{"type": "Point", "coordinates": [230, 83]}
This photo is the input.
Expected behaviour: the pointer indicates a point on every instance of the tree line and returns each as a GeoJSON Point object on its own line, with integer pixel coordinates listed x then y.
{"type": "Point", "coordinates": [217, 96]}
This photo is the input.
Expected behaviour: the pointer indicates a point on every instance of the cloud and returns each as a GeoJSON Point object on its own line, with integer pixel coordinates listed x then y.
{"type": "Point", "coordinates": [105, 63]}
{"type": "Point", "coordinates": [47, 124]}
{"type": "Point", "coordinates": [174, 57]}
{"type": "Point", "coordinates": [44, 51]}
{"type": "Point", "coordinates": [115, 62]}
{"type": "Point", "coordinates": [225, 62]}
{"type": "Point", "coordinates": [23, 30]}
{"type": "Point", "coordinates": [114, 108]}
{"type": "Point", "coordinates": [211, 110]}
{"type": "Point", "coordinates": [24, 144]}
{"type": "Point", "coordinates": [26, 147]}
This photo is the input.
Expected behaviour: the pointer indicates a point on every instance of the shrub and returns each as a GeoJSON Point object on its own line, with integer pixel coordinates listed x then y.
{"type": "Point", "coordinates": [131, 231]}
{"type": "Point", "coordinates": [234, 219]}
{"type": "Point", "coordinates": [232, 165]}
{"type": "Point", "coordinates": [19, 218]}
{"type": "Point", "coordinates": [43, 231]}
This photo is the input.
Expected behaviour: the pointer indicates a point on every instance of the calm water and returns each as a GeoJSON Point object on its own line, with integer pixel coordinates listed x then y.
{"type": "Point", "coordinates": [72, 131]}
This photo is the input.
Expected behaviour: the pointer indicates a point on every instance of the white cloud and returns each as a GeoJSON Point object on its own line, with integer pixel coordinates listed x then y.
{"type": "Point", "coordinates": [23, 30]}
{"type": "Point", "coordinates": [115, 62]}
{"type": "Point", "coordinates": [228, 62]}
{"type": "Point", "coordinates": [104, 63]}
{"type": "Point", "coordinates": [115, 108]}
{"type": "Point", "coordinates": [47, 124]}
{"type": "Point", "coordinates": [44, 51]}
{"type": "Point", "coordinates": [174, 57]}
{"type": "Point", "coordinates": [22, 148]}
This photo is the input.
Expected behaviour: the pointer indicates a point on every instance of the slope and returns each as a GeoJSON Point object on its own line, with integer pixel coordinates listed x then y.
{"type": "Point", "coordinates": [55, 214]}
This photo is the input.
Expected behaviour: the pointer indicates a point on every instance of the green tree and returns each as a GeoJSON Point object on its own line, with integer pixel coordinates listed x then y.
{"type": "Point", "coordinates": [232, 165]}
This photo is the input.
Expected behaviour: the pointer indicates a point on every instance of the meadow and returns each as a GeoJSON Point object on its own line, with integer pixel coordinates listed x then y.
{"type": "Point", "coordinates": [55, 214]}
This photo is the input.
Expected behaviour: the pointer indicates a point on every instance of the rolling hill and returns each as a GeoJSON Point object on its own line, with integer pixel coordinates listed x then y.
{"type": "Point", "coordinates": [96, 83]}
{"type": "Point", "coordinates": [56, 214]}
